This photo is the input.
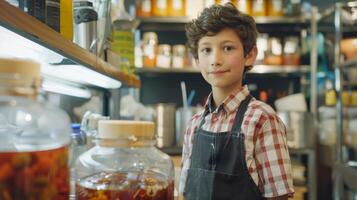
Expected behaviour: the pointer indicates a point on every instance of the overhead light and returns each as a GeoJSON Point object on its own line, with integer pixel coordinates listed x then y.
{"type": "Point", "coordinates": [61, 88]}
{"type": "Point", "coordinates": [79, 74]}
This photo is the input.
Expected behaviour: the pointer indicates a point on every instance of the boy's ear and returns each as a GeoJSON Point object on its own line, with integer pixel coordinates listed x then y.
{"type": "Point", "coordinates": [251, 56]}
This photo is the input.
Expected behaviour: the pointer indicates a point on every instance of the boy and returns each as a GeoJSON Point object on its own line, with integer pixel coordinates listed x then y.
{"type": "Point", "coordinates": [236, 147]}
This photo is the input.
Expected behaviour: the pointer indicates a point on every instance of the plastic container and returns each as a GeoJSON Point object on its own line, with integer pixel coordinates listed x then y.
{"type": "Point", "coordinates": [149, 45]}
{"type": "Point", "coordinates": [125, 165]}
{"type": "Point", "coordinates": [34, 137]}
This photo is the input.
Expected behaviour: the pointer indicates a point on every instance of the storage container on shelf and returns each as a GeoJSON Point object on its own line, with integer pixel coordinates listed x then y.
{"type": "Point", "coordinates": [160, 8]}
{"type": "Point", "coordinates": [259, 8]}
{"type": "Point", "coordinates": [244, 6]}
{"type": "Point", "coordinates": [275, 8]}
{"type": "Point", "coordinates": [163, 58]}
{"type": "Point", "coordinates": [124, 164]}
{"type": "Point", "coordinates": [149, 45]}
{"type": "Point", "coordinates": [35, 137]}
{"type": "Point", "coordinates": [143, 8]}
{"type": "Point", "coordinates": [177, 8]}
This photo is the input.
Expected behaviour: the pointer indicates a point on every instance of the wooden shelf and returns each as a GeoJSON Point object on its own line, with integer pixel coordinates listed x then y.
{"type": "Point", "coordinates": [29, 27]}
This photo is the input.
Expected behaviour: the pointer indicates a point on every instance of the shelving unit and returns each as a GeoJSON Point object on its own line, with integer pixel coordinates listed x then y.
{"type": "Point", "coordinates": [334, 21]}
{"type": "Point", "coordinates": [257, 69]}
{"type": "Point", "coordinates": [25, 26]}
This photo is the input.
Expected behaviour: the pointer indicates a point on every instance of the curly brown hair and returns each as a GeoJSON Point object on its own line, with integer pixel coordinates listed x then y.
{"type": "Point", "coordinates": [217, 17]}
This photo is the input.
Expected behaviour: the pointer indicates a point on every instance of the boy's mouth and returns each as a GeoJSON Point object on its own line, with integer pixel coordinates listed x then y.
{"type": "Point", "coordinates": [218, 72]}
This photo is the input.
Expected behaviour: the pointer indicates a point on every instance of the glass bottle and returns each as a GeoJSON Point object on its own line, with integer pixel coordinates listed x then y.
{"type": "Point", "coordinates": [124, 164]}
{"type": "Point", "coordinates": [149, 45]}
{"type": "Point", "coordinates": [34, 137]}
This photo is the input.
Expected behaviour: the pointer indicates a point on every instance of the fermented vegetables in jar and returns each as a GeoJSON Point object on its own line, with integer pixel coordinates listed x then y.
{"type": "Point", "coordinates": [34, 137]}
{"type": "Point", "coordinates": [125, 164]}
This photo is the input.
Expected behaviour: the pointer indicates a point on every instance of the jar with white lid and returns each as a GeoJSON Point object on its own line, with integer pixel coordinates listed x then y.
{"type": "Point", "coordinates": [125, 164]}
{"type": "Point", "coordinates": [35, 136]}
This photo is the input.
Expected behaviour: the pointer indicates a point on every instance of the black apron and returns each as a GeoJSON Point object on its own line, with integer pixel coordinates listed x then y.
{"type": "Point", "coordinates": [218, 168]}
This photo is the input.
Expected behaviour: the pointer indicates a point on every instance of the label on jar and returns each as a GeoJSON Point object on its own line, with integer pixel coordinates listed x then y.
{"type": "Point", "coordinates": [177, 4]}
{"type": "Point", "coordinates": [277, 5]}
{"type": "Point", "coordinates": [146, 6]}
{"type": "Point", "coordinates": [162, 4]}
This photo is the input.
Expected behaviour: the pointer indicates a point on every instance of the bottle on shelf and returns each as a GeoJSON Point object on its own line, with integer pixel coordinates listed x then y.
{"type": "Point", "coordinates": [66, 19]}
{"type": "Point", "coordinates": [259, 8]}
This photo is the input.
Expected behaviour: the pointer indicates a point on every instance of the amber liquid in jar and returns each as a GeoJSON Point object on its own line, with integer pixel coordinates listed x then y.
{"type": "Point", "coordinates": [40, 175]}
{"type": "Point", "coordinates": [125, 186]}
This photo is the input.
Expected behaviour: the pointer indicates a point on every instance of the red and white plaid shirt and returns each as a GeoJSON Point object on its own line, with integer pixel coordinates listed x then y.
{"type": "Point", "coordinates": [266, 149]}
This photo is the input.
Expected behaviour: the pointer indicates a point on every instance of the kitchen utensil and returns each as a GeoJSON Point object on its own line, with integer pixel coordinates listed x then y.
{"type": "Point", "coordinates": [165, 124]}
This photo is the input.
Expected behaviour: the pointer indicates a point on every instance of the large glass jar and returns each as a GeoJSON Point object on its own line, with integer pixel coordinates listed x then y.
{"type": "Point", "coordinates": [124, 164]}
{"type": "Point", "coordinates": [34, 137]}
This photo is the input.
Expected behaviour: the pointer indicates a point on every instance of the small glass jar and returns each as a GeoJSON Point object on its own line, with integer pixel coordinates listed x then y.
{"type": "Point", "coordinates": [160, 8]}
{"type": "Point", "coordinates": [125, 164]}
{"type": "Point", "coordinates": [245, 6]}
{"type": "Point", "coordinates": [143, 8]}
{"type": "Point", "coordinates": [177, 8]}
{"type": "Point", "coordinates": [149, 45]}
{"type": "Point", "coordinates": [275, 8]}
{"type": "Point", "coordinates": [163, 58]}
{"type": "Point", "coordinates": [35, 137]}
{"type": "Point", "coordinates": [259, 8]}
{"type": "Point", "coordinates": [179, 56]}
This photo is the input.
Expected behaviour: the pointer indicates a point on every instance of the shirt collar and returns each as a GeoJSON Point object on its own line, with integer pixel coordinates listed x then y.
{"type": "Point", "coordinates": [230, 104]}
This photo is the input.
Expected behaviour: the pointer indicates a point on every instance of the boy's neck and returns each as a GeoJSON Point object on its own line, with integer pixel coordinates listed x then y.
{"type": "Point", "coordinates": [220, 95]}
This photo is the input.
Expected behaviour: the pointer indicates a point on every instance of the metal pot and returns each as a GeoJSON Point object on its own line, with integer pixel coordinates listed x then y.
{"type": "Point", "coordinates": [299, 126]}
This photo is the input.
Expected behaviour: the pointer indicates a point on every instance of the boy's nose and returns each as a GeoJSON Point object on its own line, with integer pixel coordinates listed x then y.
{"type": "Point", "coordinates": [216, 59]}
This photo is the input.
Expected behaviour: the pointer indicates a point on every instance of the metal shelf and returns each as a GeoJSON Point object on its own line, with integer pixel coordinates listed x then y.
{"type": "Point", "coordinates": [291, 23]}
{"type": "Point", "coordinates": [257, 69]}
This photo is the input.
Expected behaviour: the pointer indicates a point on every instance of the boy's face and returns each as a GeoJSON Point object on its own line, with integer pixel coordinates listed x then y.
{"type": "Point", "coordinates": [221, 60]}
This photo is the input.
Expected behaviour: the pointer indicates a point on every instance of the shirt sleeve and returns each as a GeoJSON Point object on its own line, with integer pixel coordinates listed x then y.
{"type": "Point", "coordinates": [272, 158]}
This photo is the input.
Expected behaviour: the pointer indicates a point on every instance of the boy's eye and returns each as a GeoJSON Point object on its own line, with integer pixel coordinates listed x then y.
{"type": "Point", "coordinates": [205, 50]}
{"type": "Point", "coordinates": [228, 48]}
